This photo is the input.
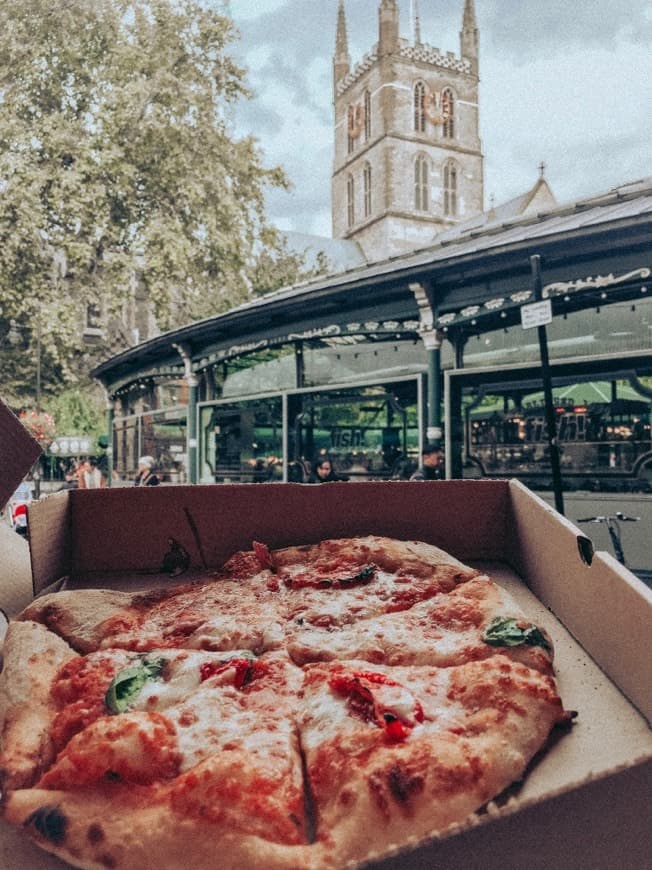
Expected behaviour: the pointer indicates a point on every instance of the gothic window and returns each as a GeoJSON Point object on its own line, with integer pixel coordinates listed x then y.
{"type": "Point", "coordinates": [420, 107]}
{"type": "Point", "coordinates": [350, 201]}
{"type": "Point", "coordinates": [450, 188]}
{"type": "Point", "coordinates": [367, 115]}
{"type": "Point", "coordinates": [367, 189]}
{"type": "Point", "coordinates": [421, 174]}
{"type": "Point", "coordinates": [448, 105]}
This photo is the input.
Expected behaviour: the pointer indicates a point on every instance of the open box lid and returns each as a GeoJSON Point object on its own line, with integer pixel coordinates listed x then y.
{"type": "Point", "coordinates": [18, 453]}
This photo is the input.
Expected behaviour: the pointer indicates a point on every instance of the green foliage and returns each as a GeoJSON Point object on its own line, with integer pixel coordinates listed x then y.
{"type": "Point", "coordinates": [277, 266]}
{"type": "Point", "coordinates": [116, 161]}
{"type": "Point", "coordinates": [78, 412]}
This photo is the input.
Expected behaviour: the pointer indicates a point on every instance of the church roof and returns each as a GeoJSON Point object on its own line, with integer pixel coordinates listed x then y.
{"type": "Point", "coordinates": [381, 291]}
{"type": "Point", "coordinates": [341, 254]}
{"type": "Point", "coordinates": [539, 198]}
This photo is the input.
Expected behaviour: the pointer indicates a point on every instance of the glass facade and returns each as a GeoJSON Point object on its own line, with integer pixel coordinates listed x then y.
{"type": "Point", "coordinates": [362, 401]}
{"type": "Point", "coordinates": [601, 445]}
{"type": "Point", "coordinates": [617, 328]}
{"type": "Point", "coordinates": [160, 434]}
{"type": "Point", "coordinates": [368, 431]}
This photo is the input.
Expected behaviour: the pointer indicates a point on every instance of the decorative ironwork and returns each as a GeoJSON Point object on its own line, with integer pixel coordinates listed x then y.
{"type": "Point", "coordinates": [593, 282]}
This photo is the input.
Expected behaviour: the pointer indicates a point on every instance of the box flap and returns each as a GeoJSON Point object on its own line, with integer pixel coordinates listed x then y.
{"type": "Point", "coordinates": [593, 826]}
{"type": "Point", "coordinates": [18, 452]}
{"type": "Point", "coordinates": [50, 539]}
{"type": "Point", "coordinates": [606, 608]}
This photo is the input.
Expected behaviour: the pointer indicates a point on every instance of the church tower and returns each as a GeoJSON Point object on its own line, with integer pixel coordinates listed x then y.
{"type": "Point", "coordinates": [408, 157]}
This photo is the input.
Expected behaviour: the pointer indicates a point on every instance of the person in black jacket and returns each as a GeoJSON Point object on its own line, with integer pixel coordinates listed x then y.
{"type": "Point", "coordinates": [146, 476]}
{"type": "Point", "coordinates": [432, 464]}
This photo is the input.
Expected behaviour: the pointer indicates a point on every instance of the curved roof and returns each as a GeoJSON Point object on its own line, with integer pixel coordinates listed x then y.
{"type": "Point", "coordinates": [461, 269]}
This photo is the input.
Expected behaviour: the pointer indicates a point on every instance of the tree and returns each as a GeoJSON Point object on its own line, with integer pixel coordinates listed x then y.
{"type": "Point", "coordinates": [118, 165]}
{"type": "Point", "coordinates": [277, 265]}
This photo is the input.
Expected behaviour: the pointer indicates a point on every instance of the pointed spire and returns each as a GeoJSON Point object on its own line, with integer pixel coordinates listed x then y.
{"type": "Point", "coordinates": [341, 40]}
{"type": "Point", "coordinates": [469, 35]}
{"type": "Point", "coordinates": [388, 19]}
{"type": "Point", "coordinates": [469, 22]}
{"type": "Point", "coordinates": [341, 58]}
{"type": "Point", "coordinates": [417, 24]}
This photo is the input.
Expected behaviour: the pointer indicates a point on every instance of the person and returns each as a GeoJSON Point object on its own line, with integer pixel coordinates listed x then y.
{"type": "Point", "coordinates": [91, 477]}
{"type": "Point", "coordinates": [432, 464]}
{"type": "Point", "coordinates": [146, 476]}
{"type": "Point", "coordinates": [70, 480]}
{"type": "Point", "coordinates": [18, 508]}
{"type": "Point", "coordinates": [323, 472]}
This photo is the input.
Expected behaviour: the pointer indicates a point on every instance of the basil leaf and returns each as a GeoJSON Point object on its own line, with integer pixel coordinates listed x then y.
{"type": "Point", "coordinates": [127, 684]}
{"type": "Point", "coordinates": [507, 631]}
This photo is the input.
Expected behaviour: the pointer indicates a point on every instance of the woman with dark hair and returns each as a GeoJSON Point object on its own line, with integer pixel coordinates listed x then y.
{"type": "Point", "coordinates": [322, 471]}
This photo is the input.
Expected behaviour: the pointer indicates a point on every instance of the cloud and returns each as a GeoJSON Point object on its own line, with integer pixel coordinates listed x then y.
{"type": "Point", "coordinates": [517, 29]}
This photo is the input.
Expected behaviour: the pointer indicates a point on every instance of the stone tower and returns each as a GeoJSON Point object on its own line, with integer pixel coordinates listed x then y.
{"type": "Point", "coordinates": [408, 157]}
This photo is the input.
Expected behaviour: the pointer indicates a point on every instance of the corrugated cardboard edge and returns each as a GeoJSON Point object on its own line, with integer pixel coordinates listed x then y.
{"type": "Point", "coordinates": [576, 593]}
{"type": "Point", "coordinates": [50, 540]}
{"type": "Point", "coordinates": [18, 452]}
{"type": "Point", "coordinates": [557, 831]}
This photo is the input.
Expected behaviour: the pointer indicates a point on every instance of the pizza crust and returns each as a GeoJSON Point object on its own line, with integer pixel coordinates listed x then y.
{"type": "Point", "coordinates": [79, 616]}
{"type": "Point", "coordinates": [96, 829]}
{"type": "Point", "coordinates": [32, 657]}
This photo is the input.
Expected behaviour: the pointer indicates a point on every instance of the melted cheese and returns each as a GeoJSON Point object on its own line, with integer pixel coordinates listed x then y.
{"type": "Point", "coordinates": [231, 632]}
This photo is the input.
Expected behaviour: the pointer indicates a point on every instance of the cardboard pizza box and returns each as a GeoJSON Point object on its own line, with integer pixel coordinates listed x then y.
{"type": "Point", "coordinates": [584, 802]}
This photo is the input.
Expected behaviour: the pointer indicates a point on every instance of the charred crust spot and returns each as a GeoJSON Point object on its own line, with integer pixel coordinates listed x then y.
{"type": "Point", "coordinates": [403, 784]}
{"type": "Point", "coordinates": [95, 833]}
{"type": "Point", "coordinates": [108, 861]}
{"type": "Point", "coordinates": [49, 822]}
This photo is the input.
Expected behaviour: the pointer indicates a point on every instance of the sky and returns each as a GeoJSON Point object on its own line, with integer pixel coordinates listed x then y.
{"type": "Point", "coordinates": [566, 83]}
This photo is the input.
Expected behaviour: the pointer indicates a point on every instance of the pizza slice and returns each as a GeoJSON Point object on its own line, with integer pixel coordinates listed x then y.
{"type": "Point", "coordinates": [340, 581]}
{"type": "Point", "coordinates": [223, 614]}
{"type": "Point", "coordinates": [174, 739]}
{"type": "Point", "coordinates": [394, 754]}
{"type": "Point", "coordinates": [471, 622]}
{"type": "Point", "coordinates": [389, 554]}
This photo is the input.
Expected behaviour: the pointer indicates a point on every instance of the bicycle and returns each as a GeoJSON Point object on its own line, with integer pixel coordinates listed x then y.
{"type": "Point", "coordinates": [613, 527]}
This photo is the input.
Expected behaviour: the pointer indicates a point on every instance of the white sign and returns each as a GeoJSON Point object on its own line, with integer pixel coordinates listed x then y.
{"type": "Point", "coordinates": [536, 314]}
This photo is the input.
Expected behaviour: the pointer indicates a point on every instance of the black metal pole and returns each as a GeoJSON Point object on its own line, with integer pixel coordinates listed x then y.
{"type": "Point", "coordinates": [551, 419]}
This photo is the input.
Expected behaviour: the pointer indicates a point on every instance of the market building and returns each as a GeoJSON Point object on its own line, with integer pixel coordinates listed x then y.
{"type": "Point", "coordinates": [354, 363]}
{"type": "Point", "coordinates": [417, 332]}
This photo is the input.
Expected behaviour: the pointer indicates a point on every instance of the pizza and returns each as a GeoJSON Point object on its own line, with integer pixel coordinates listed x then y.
{"type": "Point", "coordinates": [304, 707]}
